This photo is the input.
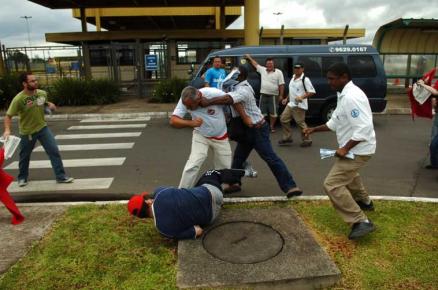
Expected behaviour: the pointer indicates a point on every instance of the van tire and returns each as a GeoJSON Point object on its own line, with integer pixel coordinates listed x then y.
{"type": "Point", "coordinates": [328, 110]}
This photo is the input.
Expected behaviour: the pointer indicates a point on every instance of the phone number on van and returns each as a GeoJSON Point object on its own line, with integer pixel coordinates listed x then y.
{"type": "Point", "coordinates": [348, 49]}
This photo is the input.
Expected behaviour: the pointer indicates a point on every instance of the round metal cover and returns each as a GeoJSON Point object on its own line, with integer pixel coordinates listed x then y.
{"type": "Point", "coordinates": [243, 242]}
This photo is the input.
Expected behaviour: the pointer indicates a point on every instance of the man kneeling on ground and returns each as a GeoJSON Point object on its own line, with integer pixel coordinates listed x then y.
{"type": "Point", "coordinates": [181, 213]}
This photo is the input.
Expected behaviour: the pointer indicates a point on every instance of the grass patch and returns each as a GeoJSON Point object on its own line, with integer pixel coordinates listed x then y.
{"type": "Point", "coordinates": [101, 247]}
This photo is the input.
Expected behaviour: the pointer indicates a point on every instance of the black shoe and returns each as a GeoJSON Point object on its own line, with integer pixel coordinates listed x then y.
{"type": "Point", "coordinates": [306, 143]}
{"type": "Point", "coordinates": [296, 191]}
{"type": "Point", "coordinates": [364, 206]}
{"type": "Point", "coordinates": [232, 188]}
{"type": "Point", "coordinates": [361, 229]}
{"type": "Point", "coordinates": [284, 142]}
{"type": "Point", "coordinates": [431, 167]}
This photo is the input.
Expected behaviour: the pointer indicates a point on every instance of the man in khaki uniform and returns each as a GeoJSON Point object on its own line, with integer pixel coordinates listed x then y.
{"type": "Point", "coordinates": [300, 89]}
{"type": "Point", "coordinates": [353, 123]}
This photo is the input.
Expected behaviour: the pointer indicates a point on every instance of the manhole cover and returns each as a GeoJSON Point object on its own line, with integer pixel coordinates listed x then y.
{"type": "Point", "coordinates": [243, 242]}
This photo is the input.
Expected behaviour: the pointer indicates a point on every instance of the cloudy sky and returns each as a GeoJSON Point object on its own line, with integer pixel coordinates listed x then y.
{"type": "Point", "coordinates": [368, 14]}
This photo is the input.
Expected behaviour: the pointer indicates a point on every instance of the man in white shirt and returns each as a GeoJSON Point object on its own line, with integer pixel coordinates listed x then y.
{"type": "Point", "coordinates": [353, 123]}
{"type": "Point", "coordinates": [210, 131]}
{"type": "Point", "coordinates": [300, 89]}
{"type": "Point", "coordinates": [271, 88]}
{"type": "Point", "coordinates": [257, 135]}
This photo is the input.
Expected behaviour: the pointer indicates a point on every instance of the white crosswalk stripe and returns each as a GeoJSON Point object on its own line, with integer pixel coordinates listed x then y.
{"type": "Point", "coordinates": [104, 120]}
{"type": "Point", "coordinates": [52, 185]}
{"type": "Point", "coordinates": [87, 162]}
{"type": "Point", "coordinates": [86, 147]}
{"type": "Point", "coordinates": [106, 127]}
{"type": "Point", "coordinates": [102, 124]}
{"type": "Point", "coordinates": [97, 135]}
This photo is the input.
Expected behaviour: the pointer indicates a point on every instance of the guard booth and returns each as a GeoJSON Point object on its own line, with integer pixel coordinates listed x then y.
{"type": "Point", "coordinates": [409, 48]}
{"type": "Point", "coordinates": [179, 33]}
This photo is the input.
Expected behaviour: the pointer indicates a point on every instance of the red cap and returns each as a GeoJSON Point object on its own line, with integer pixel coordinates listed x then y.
{"type": "Point", "coordinates": [135, 203]}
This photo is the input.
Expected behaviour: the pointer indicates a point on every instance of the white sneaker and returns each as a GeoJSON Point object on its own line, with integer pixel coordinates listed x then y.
{"type": "Point", "coordinates": [22, 182]}
{"type": "Point", "coordinates": [66, 180]}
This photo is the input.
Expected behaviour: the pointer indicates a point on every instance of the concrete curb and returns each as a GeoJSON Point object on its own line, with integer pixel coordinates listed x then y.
{"type": "Point", "coordinates": [233, 200]}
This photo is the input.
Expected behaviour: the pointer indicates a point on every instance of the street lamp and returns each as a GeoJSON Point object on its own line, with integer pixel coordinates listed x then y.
{"type": "Point", "coordinates": [28, 31]}
{"type": "Point", "coordinates": [278, 20]}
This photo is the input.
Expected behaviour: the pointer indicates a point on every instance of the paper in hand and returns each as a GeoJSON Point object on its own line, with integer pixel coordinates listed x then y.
{"type": "Point", "coordinates": [10, 145]}
{"type": "Point", "coordinates": [327, 153]}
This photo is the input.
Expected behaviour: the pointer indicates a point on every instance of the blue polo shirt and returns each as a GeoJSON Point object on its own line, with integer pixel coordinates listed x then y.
{"type": "Point", "coordinates": [214, 77]}
{"type": "Point", "coordinates": [178, 210]}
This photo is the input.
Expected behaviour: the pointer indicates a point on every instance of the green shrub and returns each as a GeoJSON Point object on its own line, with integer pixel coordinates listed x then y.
{"type": "Point", "coordinates": [77, 92]}
{"type": "Point", "coordinates": [9, 87]}
{"type": "Point", "coordinates": [168, 91]}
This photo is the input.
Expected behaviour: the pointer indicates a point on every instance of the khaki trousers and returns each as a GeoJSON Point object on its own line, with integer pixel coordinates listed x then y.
{"type": "Point", "coordinates": [200, 146]}
{"type": "Point", "coordinates": [344, 186]}
{"type": "Point", "coordinates": [299, 115]}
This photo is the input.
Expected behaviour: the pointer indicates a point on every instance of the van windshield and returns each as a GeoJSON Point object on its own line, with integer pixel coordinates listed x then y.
{"type": "Point", "coordinates": [228, 63]}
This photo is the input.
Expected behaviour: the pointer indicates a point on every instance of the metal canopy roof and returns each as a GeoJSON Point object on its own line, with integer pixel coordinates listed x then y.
{"type": "Point", "coordinates": [160, 22]}
{"type": "Point", "coordinates": [404, 36]}
{"type": "Point", "coordinates": [76, 38]}
{"type": "Point", "coordinates": [66, 4]}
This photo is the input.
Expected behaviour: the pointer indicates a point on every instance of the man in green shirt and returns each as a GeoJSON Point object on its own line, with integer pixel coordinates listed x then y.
{"type": "Point", "coordinates": [29, 106]}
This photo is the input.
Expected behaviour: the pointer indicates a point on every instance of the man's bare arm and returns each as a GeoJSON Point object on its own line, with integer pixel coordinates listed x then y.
{"type": "Point", "coordinates": [7, 122]}
{"type": "Point", "coordinates": [251, 60]}
{"type": "Point", "coordinates": [178, 122]}
{"type": "Point", "coordinates": [223, 100]}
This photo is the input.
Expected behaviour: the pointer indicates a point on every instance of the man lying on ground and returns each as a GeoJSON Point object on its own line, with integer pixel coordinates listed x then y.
{"type": "Point", "coordinates": [181, 213]}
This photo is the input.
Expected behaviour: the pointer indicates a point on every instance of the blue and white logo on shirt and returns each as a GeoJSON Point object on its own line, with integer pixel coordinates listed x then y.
{"type": "Point", "coordinates": [355, 113]}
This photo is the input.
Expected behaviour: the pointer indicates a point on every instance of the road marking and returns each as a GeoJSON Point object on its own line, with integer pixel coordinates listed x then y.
{"type": "Point", "coordinates": [52, 185]}
{"type": "Point", "coordinates": [82, 147]}
{"type": "Point", "coordinates": [99, 135]}
{"type": "Point", "coordinates": [102, 120]}
{"type": "Point", "coordinates": [94, 127]}
{"type": "Point", "coordinates": [88, 162]}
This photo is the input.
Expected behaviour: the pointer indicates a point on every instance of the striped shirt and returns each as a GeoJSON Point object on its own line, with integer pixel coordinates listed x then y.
{"type": "Point", "coordinates": [243, 93]}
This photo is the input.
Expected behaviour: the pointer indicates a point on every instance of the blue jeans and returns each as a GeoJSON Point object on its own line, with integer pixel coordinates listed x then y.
{"type": "Point", "coordinates": [48, 142]}
{"type": "Point", "coordinates": [258, 139]}
{"type": "Point", "coordinates": [434, 151]}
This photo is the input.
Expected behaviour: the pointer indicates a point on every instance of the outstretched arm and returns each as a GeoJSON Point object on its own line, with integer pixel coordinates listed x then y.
{"type": "Point", "coordinates": [223, 100]}
{"type": "Point", "coordinates": [321, 128]}
{"type": "Point", "coordinates": [253, 62]}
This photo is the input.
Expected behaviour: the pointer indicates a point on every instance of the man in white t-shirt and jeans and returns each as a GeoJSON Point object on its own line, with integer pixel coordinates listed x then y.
{"type": "Point", "coordinates": [271, 88]}
{"type": "Point", "coordinates": [209, 131]}
{"type": "Point", "coordinates": [300, 89]}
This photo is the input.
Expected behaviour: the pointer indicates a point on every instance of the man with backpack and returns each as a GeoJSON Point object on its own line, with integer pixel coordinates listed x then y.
{"type": "Point", "coordinates": [300, 89]}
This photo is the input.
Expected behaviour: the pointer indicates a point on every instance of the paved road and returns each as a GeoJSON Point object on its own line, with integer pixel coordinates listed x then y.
{"type": "Point", "coordinates": [157, 156]}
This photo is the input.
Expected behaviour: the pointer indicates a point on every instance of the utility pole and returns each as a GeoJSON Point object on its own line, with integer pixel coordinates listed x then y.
{"type": "Point", "coordinates": [28, 31]}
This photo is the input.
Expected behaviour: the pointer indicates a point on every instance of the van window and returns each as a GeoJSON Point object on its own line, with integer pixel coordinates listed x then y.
{"type": "Point", "coordinates": [312, 65]}
{"type": "Point", "coordinates": [327, 61]}
{"type": "Point", "coordinates": [362, 66]}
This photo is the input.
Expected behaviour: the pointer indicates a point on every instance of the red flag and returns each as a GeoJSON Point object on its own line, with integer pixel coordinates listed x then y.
{"type": "Point", "coordinates": [5, 180]}
{"type": "Point", "coordinates": [424, 110]}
